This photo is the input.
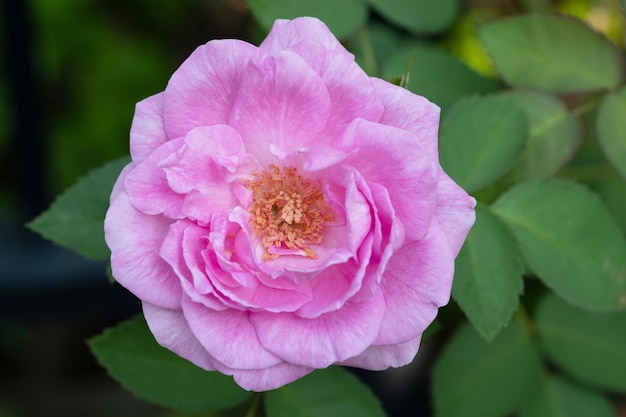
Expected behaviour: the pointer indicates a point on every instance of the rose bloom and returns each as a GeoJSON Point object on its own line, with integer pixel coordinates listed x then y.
{"type": "Point", "coordinates": [283, 211]}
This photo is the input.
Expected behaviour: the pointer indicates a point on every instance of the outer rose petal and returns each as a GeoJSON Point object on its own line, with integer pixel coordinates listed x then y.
{"type": "Point", "coordinates": [147, 132]}
{"type": "Point", "coordinates": [416, 283]}
{"type": "Point", "coordinates": [454, 212]}
{"type": "Point", "coordinates": [135, 239]}
{"type": "Point", "coordinates": [287, 33]}
{"type": "Point", "coordinates": [203, 90]}
{"type": "Point", "coordinates": [411, 112]}
{"type": "Point", "coordinates": [270, 378]}
{"type": "Point", "coordinates": [118, 187]}
{"type": "Point", "coordinates": [322, 341]}
{"type": "Point", "coordinates": [378, 358]}
{"type": "Point", "coordinates": [170, 329]}
{"type": "Point", "coordinates": [228, 336]}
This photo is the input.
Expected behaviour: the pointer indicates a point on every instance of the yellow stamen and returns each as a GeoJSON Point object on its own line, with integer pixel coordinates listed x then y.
{"type": "Point", "coordinates": [287, 210]}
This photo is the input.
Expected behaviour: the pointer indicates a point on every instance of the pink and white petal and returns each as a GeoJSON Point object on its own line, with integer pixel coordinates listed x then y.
{"type": "Point", "coordinates": [417, 281]}
{"type": "Point", "coordinates": [270, 378]}
{"type": "Point", "coordinates": [411, 112]}
{"type": "Point", "coordinates": [351, 90]}
{"type": "Point", "coordinates": [147, 131]}
{"type": "Point", "coordinates": [147, 185]}
{"type": "Point", "coordinates": [287, 33]}
{"type": "Point", "coordinates": [282, 102]}
{"type": "Point", "coordinates": [454, 212]}
{"type": "Point", "coordinates": [135, 239]}
{"type": "Point", "coordinates": [379, 358]}
{"type": "Point", "coordinates": [170, 329]}
{"type": "Point", "coordinates": [203, 89]}
{"type": "Point", "coordinates": [392, 158]}
{"type": "Point", "coordinates": [228, 336]}
{"type": "Point", "coordinates": [320, 342]}
{"type": "Point", "coordinates": [118, 187]}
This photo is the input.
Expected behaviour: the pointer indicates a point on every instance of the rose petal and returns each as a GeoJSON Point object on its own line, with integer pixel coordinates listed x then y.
{"type": "Point", "coordinates": [378, 358]}
{"type": "Point", "coordinates": [286, 33]}
{"type": "Point", "coordinates": [170, 329]}
{"type": "Point", "coordinates": [282, 102]}
{"type": "Point", "coordinates": [228, 336]}
{"type": "Point", "coordinates": [182, 250]}
{"type": "Point", "coordinates": [147, 132]}
{"type": "Point", "coordinates": [147, 185]}
{"type": "Point", "coordinates": [203, 89]}
{"type": "Point", "coordinates": [454, 212]}
{"type": "Point", "coordinates": [416, 283]}
{"type": "Point", "coordinates": [351, 90]}
{"type": "Point", "coordinates": [118, 187]}
{"type": "Point", "coordinates": [411, 112]}
{"type": "Point", "coordinates": [320, 342]}
{"type": "Point", "coordinates": [270, 378]}
{"type": "Point", "coordinates": [204, 168]}
{"type": "Point", "coordinates": [391, 157]}
{"type": "Point", "coordinates": [135, 239]}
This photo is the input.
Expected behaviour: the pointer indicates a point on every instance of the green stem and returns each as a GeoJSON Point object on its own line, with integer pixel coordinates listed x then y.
{"type": "Point", "coordinates": [254, 405]}
{"type": "Point", "coordinates": [368, 51]}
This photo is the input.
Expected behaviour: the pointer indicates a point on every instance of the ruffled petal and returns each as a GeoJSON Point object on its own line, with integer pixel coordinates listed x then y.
{"type": "Point", "coordinates": [203, 89]}
{"type": "Point", "coordinates": [393, 158]}
{"type": "Point", "coordinates": [416, 283]}
{"type": "Point", "coordinates": [147, 185]}
{"type": "Point", "coordinates": [320, 342]}
{"type": "Point", "coordinates": [282, 107]}
{"type": "Point", "coordinates": [228, 336]}
{"type": "Point", "coordinates": [204, 167]}
{"type": "Point", "coordinates": [147, 131]}
{"type": "Point", "coordinates": [454, 211]}
{"type": "Point", "coordinates": [379, 358]}
{"type": "Point", "coordinates": [170, 329]}
{"type": "Point", "coordinates": [411, 112]}
{"type": "Point", "coordinates": [135, 240]}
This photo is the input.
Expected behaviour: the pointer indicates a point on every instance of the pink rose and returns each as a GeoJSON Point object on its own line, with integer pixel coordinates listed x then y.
{"type": "Point", "coordinates": [283, 211]}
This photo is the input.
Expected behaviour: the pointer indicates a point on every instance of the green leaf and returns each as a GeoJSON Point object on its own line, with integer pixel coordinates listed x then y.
{"type": "Point", "coordinates": [418, 16]}
{"type": "Point", "coordinates": [589, 346]}
{"type": "Point", "coordinates": [551, 52]}
{"type": "Point", "coordinates": [488, 279]}
{"type": "Point", "coordinates": [342, 17]}
{"type": "Point", "coordinates": [613, 193]}
{"type": "Point", "coordinates": [428, 65]}
{"type": "Point", "coordinates": [554, 135]}
{"type": "Point", "coordinates": [611, 125]}
{"type": "Point", "coordinates": [75, 219]}
{"type": "Point", "coordinates": [480, 138]}
{"type": "Point", "coordinates": [558, 397]}
{"type": "Point", "coordinates": [472, 378]}
{"type": "Point", "coordinates": [133, 358]}
{"type": "Point", "coordinates": [569, 239]}
{"type": "Point", "coordinates": [331, 392]}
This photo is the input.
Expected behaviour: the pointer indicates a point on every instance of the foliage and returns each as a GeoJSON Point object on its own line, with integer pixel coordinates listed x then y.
{"type": "Point", "coordinates": [540, 145]}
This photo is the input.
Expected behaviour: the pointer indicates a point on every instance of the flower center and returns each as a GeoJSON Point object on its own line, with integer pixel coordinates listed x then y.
{"type": "Point", "coordinates": [287, 210]}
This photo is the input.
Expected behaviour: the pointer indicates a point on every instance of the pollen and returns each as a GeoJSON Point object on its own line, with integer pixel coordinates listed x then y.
{"type": "Point", "coordinates": [287, 210]}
